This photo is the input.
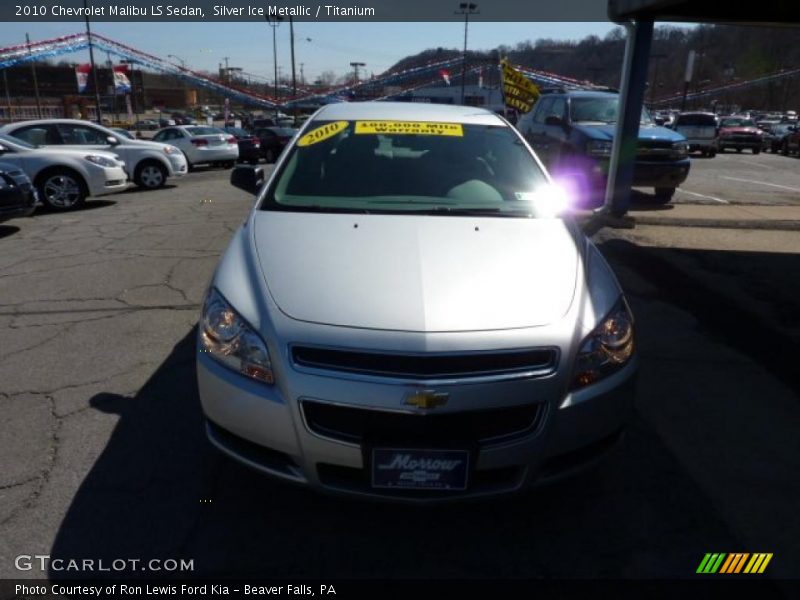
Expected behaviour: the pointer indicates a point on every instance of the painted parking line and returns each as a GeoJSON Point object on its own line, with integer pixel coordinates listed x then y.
{"type": "Point", "coordinates": [714, 198]}
{"type": "Point", "coordinates": [775, 185]}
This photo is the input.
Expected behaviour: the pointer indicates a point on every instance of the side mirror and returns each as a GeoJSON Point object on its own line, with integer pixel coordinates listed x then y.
{"type": "Point", "coordinates": [247, 178]}
{"type": "Point", "coordinates": [112, 140]}
{"type": "Point", "coordinates": [553, 120]}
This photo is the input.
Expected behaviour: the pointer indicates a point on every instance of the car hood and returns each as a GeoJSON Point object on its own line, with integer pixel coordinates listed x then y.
{"type": "Point", "coordinates": [145, 144]}
{"type": "Point", "coordinates": [417, 273]}
{"type": "Point", "coordinates": [646, 132]}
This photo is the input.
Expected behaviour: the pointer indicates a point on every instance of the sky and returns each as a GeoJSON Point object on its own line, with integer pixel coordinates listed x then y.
{"type": "Point", "coordinates": [320, 46]}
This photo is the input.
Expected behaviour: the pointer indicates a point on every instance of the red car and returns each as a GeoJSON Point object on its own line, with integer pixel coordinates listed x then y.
{"type": "Point", "coordinates": [739, 133]}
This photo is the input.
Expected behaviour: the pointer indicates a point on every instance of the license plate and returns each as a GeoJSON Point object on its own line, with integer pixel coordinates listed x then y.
{"type": "Point", "coordinates": [416, 469]}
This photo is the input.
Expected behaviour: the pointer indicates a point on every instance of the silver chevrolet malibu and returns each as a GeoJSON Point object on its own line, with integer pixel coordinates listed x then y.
{"type": "Point", "coordinates": [409, 313]}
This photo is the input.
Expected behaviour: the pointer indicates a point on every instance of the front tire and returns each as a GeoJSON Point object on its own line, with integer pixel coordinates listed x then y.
{"type": "Point", "coordinates": [150, 175]}
{"type": "Point", "coordinates": [664, 195]}
{"type": "Point", "coordinates": [62, 189]}
{"type": "Point", "coordinates": [756, 150]}
{"type": "Point", "coordinates": [270, 155]}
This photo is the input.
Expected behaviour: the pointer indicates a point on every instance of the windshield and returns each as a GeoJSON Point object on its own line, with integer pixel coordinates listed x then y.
{"type": "Point", "coordinates": [408, 167]}
{"type": "Point", "coordinates": [599, 109]}
{"type": "Point", "coordinates": [237, 131]}
{"type": "Point", "coordinates": [16, 142]}
{"type": "Point", "coordinates": [737, 123]}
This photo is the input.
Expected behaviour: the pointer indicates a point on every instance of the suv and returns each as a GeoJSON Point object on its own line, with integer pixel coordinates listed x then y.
{"type": "Point", "coordinates": [572, 133]}
{"type": "Point", "coordinates": [700, 131]}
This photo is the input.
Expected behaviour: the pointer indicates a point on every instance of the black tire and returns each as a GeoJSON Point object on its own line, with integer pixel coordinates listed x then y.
{"type": "Point", "coordinates": [663, 195]}
{"type": "Point", "coordinates": [270, 156]}
{"type": "Point", "coordinates": [712, 153]}
{"type": "Point", "coordinates": [61, 189]}
{"type": "Point", "coordinates": [228, 164]}
{"type": "Point", "coordinates": [738, 151]}
{"type": "Point", "coordinates": [150, 175]}
{"type": "Point", "coordinates": [253, 161]}
{"type": "Point", "coordinates": [704, 153]}
{"type": "Point", "coordinates": [785, 148]}
{"type": "Point", "coordinates": [756, 150]}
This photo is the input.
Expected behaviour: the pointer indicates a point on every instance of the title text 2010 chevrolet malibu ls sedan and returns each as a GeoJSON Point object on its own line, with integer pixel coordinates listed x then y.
{"type": "Point", "coordinates": [405, 315]}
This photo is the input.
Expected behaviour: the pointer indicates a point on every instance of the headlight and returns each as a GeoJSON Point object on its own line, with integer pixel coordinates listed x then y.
{"type": "Point", "coordinates": [598, 148]}
{"type": "Point", "coordinates": [100, 161]}
{"type": "Point", "coordinates": [171, 150]}
{"type": "Point", "coordinates": [228, 338]}
{"type": "Point", "coordinates": [680, 149]}
{"type": "Point", "coordinates": [607, 349]}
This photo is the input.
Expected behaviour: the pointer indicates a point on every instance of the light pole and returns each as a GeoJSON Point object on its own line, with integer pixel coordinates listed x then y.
{"type": "Point", "coordinates": [355, 66]}
{"type": "Point", "coordinates": [91, 60]}
{"type": "Point", "coordinates": [274, 21]}
{"type": "Point", "coordinates": [466, 9]}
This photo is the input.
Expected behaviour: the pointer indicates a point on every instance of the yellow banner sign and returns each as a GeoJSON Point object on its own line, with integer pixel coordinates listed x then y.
{"type": "Point", "coordinates": [409, 128]}
{"type": "Point", "coordinates": [322, 133]}
{"type": "Point", "coordinates": [520, 92]}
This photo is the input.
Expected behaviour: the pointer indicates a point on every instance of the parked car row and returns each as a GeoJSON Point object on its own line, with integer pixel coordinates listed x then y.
{"type": "Point", "coordinates": [62, 162]}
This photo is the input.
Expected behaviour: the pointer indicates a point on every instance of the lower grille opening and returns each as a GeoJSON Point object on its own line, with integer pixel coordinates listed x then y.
{"type": "Point", "coordinates": [256, 453]}
{"type": "Point", "coordinates": [354, 425]}
{"type": "Point", "coordinates": [358, 480]}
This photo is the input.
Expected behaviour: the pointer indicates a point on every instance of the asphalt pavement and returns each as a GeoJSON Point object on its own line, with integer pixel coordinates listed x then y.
{"type": "Point", "coordinates": [103, 455]}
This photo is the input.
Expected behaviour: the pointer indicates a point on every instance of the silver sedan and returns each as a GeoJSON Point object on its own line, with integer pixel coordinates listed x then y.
{"type": "Point", "coordinates": [408, 313]}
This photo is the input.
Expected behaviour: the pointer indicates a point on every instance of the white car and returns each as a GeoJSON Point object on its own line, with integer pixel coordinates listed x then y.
{"type": "Point", "coordinates": [202, 144]}
{"type": "Point", "coordinates": [148, 163]}
{"type": "Point", "coordinates": [63, 177]}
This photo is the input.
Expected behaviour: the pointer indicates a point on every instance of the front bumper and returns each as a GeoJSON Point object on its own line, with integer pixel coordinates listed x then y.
{"type": "Point", "coordinates": [107, 180]}
{"type": "Point", "coordinates": [741, 143]}
{"type": "Point", "coordinates": [661, 174]}
{"type": "Point", "coordinates": [265, 428]}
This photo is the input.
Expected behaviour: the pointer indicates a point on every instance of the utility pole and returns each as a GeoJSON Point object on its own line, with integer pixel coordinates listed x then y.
{"type": "Point", "coordinates": [466, 9]}
{"type": "Point", "coordinates": [35, 80]}
{"type": "Point", "coordinates": [99, 116]}
{"type": "Point", "coordinates": [302, 76]}
{"type": "Point", "coordinates": [274, 21]}
{"type": "Point", "coordinates": [294, 78]}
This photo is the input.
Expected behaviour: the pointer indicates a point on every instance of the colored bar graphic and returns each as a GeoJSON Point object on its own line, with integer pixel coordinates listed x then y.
{"type": "Point", "coordinates": [728, 563]}
{"type": "Point", "coordinates": [703, 563]}
{"type": "Point", "coordinates": [740, 564]}
{"type": "Point", "coordinates": [765, 563]}
{"type": "Point", "coordinates": [717, 564]}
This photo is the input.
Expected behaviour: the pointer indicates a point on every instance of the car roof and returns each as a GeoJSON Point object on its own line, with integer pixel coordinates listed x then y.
{"type": "Point", "coordinates": [53, 121]}
{"type": "Point", "coordinates": [408, 111]}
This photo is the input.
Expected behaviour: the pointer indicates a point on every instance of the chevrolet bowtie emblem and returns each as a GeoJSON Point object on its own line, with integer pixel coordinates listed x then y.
{"type": "Point", "coordinates": [427, 399]}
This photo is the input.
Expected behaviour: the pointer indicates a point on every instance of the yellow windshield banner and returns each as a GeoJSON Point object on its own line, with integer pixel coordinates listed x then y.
{"type": "Point", "coordinates": [409, 128]}
{"type": "Point", "coordinates": [323, 133]}
{"type": "Point", "coordinates": [520, 92]}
